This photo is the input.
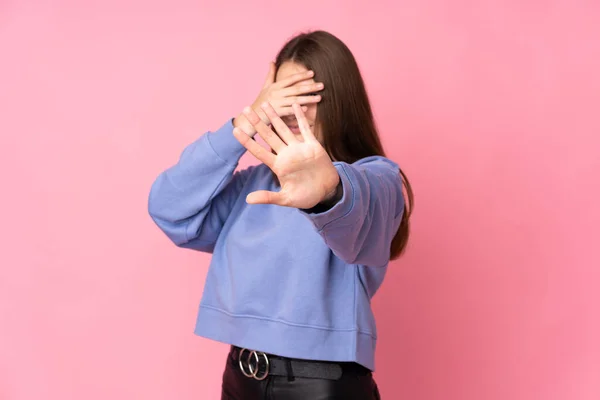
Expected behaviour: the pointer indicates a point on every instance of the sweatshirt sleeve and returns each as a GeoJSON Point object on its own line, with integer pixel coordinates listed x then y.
{"type": "Point", "coordinates": [360, 227]}
{"type": "Point", "coordinates": [191, 200]}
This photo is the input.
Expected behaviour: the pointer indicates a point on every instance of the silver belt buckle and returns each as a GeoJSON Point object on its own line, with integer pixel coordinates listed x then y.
{"type": "Point", "coordinates": [253, 364]}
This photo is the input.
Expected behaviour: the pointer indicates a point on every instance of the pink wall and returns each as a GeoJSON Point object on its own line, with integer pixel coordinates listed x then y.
{"type": "Point", "coordinates": [492, 107]}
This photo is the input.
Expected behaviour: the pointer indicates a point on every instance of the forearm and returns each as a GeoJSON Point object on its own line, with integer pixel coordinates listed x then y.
{"type": "Point", "coordinates": [360, 219]}
{"type": "Point", "coordinates": [181, 196]}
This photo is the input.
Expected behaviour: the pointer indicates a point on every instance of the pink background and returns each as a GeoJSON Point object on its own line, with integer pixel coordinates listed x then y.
{"type": "Point", "coordinates": [491, 107]}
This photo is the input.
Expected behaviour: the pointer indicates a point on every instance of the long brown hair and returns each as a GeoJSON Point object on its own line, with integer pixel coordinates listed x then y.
{"type": "Point", "coordinates": [344, 114]}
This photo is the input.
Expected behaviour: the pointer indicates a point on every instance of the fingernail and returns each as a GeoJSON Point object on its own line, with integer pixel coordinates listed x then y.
{"type": "Point", "coordinates": [310, 73]}
{"type": "Point", "coordinates": [247, 110]}
{"type": "Point", "coordinates": [320, 85]}
{"type": "Point", "coordinates": [264, 105]}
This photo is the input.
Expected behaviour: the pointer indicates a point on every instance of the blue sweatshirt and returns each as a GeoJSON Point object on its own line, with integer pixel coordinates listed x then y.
{"type": "Point", "coordinates": [282, 280]}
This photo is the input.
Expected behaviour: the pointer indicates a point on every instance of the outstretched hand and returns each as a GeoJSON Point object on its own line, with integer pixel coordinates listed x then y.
{"type": "Point", "coordinates": [305, 171]}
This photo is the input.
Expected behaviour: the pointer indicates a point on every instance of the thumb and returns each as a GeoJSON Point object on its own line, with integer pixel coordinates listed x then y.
{"type": "Point", "coordinates": [271, 75]}
{"type": "Point", "coordinates": [265, 197]}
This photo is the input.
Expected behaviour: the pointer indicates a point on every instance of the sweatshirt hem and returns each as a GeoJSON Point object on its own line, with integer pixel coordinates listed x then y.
{"type": "Point", "coordinates": [286, 339]}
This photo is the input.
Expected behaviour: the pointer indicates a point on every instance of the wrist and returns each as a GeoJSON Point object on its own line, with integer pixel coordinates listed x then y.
{"type": "Point", "coordinates": [242, 123]}
{"type": "Point", "coordinates": [262, 115]}
{"type": "Point", "coordinates": [335, 195]}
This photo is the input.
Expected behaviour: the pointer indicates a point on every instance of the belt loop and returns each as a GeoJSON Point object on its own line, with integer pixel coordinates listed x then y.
{"type": "Point", "coordinates": [288, 367]}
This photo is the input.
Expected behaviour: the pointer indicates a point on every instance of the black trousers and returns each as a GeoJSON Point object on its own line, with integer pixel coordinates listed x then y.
{"type": "Point", "coordinates": [355, 384]}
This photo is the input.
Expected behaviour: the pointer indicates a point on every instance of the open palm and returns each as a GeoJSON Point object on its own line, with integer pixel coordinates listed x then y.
{"type": "Point", "coordinates": [305, 171]}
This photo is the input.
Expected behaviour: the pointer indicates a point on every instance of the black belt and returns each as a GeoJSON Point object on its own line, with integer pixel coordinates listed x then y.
{"type": "Point", "coordinates": [259, 365]}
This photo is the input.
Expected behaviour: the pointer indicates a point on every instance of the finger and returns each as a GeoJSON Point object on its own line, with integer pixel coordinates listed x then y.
{"type": "Point", "coordinates": [304, 88]}
{"type": "Point", "coordinates": [293, 79]}
{"type": "Point", "coordinates": [270, 76]}
{"type": "Point", "coordinates": [263, 130]}
{"type": "Point", "coordinates": [256, 149]}
{"type": "Point", "coordinates": [265, 197]}
{"type": "Point", "coordinates": [282, 129]}
{"type": "Point", "coordinates": [288, 101]}
{"type": "Point", "coordinates": [303, 124]}
{"type": "Point", "coordinates": [287, 111]}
